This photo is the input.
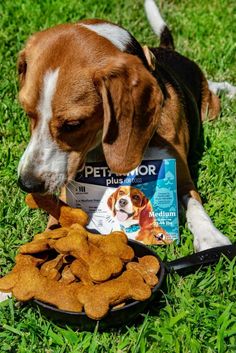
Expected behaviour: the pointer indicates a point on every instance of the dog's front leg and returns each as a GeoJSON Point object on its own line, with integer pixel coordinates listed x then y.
{"type": "Point", "coordinates": [206, 235]}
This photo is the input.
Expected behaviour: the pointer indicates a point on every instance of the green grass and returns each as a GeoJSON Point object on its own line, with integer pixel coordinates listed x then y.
{"type": "Point", "coordinates": [198, 312]}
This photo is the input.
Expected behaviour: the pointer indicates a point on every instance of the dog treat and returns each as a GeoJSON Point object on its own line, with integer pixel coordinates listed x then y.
{"type": "Point", "coordinates": [7, 282]}
{"type": "Point", "coordinates": [26, 282]}
{"type": "Point", "coordinates": [50, 269]}
{"type": "Point", "coordinates": [56, 281]}
{"type": "Point", "coordinates": [73, 269]}
{"type": "Point", "coordinates": [74, 241]}
{"type": "Point", "coordinates": [65, 215]}
{"type": "Point", "coordinates": [150, 263]}
{"type": "Point", "coordinates": [80, 269]}
{"type": "Point", "coordinates": [42, 236]}
{"type": "Point", "coordinates": [101, 266]}
{"type": "Point", "coordinates": [52, 234]}
{"type": "Point", "coordinates": [113, 244]}
{"type": "Point", "coordinates": [28, 260]}
{"type": "Point", "coordinates": [67, 276]}
{"type": "Point", "coordinates": [147, 267]}
{"type": "Point", "coordinates": [32, 284]}
{"type": "Point", "coordinates": [98, 299]}
{"type": "Point", "coordinates": [34, 247]}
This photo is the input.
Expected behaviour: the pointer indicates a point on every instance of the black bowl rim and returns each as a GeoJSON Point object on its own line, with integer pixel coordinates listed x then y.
{"type": "Point", "coordinates": [161, 276]}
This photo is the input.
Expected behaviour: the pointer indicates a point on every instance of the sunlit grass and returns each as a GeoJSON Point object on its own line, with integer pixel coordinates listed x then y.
{"type": "Point", "coordinates": [197, 313]}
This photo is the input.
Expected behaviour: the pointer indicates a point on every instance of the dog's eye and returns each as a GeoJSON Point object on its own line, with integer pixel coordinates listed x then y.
{"type": "Point", "coordinates": [73, 125]}
{"type": "Point", "coordinates": [160, 236]}
{"type": "Point", "coordinates": [136, 198]}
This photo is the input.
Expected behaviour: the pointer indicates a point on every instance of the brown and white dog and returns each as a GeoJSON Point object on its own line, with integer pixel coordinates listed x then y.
{"type": "Point", "coordinates": [130, 207]}
{"type": "Point", "coordinates": [91, 82]}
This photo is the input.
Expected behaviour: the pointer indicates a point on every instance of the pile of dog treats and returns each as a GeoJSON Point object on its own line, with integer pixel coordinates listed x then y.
{"type": "Point", "coordinates": [75, 270]}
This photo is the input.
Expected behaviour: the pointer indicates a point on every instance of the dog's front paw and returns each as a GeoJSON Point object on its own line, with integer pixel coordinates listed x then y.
{"type": "Point", "coordinates": [211, 238]}
{"type": "Point", "coordinates": [206, 235]}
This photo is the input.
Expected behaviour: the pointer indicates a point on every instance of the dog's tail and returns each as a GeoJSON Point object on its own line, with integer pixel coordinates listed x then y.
{"type": "Point", "coordinates": [219, 87]}
{"type": "Point", "coordinates": [158, 24]}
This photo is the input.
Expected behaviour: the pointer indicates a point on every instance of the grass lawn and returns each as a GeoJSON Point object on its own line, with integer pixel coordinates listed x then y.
{"type": "Point", "coordinates": [197, 313]}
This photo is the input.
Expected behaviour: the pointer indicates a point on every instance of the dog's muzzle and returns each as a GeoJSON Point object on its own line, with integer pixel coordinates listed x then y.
{"type": "Point", "coordinates": [123, 202]}
{"type": "Point", "coordinates": [30, 184]}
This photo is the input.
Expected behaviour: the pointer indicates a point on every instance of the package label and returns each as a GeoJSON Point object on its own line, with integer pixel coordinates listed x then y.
{"type": "Point", "coordinates": [142, 203]}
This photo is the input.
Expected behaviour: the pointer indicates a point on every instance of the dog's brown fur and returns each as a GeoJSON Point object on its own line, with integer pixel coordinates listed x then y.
{"type": "Point", "coordinates": [125, 100]}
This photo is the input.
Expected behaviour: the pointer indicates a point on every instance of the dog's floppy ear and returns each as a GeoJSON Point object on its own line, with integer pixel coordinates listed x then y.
{"type": "Point", "coordinates": [145, 201]}
{"type": "Point", "coordinates": [112, 200]}
{"type": "Point", "coordinates": [132, 102]}
{"type": "Point", "coordinates": [146, 215]}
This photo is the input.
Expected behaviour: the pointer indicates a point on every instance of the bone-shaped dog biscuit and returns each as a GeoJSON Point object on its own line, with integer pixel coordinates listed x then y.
{"type": "Point", "coordinates": [34, 247]}
{"type": "Point", "coordinates": [74, 241]}
{"type": "Point", "coordinates": [33, 285]}
{"type": "Point", "coordinates": [7, 282]}
{"type": "Point", "coordinates": [97, 299]}
{"type": "Point", "coordinates": [28, 260]}
{"type": "Point", "coordinates": [65, 215]}
{"type": "Point", "coordinates": [147, 266]}
{"type": "Point", "coordinates": [50, 269]}
{"type": "Point", "coordinates": [80, 269]}
{"type": "Point", "coordinates": [83, 270]}
{"type": "Point", "coordinates": [67, 276]}
{"type": "Point", "coordinates": [25, 282]}
{"type": "Point", "coordinates": [150, 262]}
{"type": "Point", "coordinates": [52, 234]}
{"type": "Point", "coordinates": [113, 244]}
{"type": "Point", "coordinates": [100, 266]}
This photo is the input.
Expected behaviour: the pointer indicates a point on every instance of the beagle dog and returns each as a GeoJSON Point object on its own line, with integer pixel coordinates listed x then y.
{"type": "Point", "coordinates": [92, 83]}
{"type": "Point", "coordinates": [133, 211]}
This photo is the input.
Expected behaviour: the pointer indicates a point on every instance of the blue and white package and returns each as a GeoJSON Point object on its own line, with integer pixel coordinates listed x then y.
{"type": "Point", "coordinates": [142, 203]}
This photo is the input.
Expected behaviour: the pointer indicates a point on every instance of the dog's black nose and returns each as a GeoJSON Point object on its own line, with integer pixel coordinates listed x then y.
{"type": "Point", "coordinates": [123, 202]}
{"type": "Point", "coordinates": [31, 184]}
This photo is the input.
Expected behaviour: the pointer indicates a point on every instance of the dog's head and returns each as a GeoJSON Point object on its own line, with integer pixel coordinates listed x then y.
{"type": "Point", "coordinates": [127, 203]}
{"type": "Point", "coordinates": [79, 88]}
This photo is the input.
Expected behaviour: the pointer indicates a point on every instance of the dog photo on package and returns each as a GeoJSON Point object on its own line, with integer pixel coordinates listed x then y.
{"type": "Point", "coordinates": [142, 203]}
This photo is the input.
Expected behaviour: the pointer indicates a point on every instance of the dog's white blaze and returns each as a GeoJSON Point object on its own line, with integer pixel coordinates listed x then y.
{"type": "Point", "coordinates": [43, 155]}
{"type": "Point", "coordinates": [217, 87]}
{"type": "Point", "coordinates": [128, 207]}
{"type": "Point", "coordinates": [48, 91]}
{"type": "Point", "coordinates": [154, 17]}
{"type": "Point", "coordinates": [206, 235]}
{"type": "Point", "coordinates": [115, 34]}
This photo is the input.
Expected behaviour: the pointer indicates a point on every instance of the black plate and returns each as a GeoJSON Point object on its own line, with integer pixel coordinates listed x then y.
{"type": "Point", "coordinates": [115, 317]}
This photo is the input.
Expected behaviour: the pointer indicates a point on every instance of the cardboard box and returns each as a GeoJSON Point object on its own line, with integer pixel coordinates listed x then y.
{"type": "Point", "coordinates": [142, 203]}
